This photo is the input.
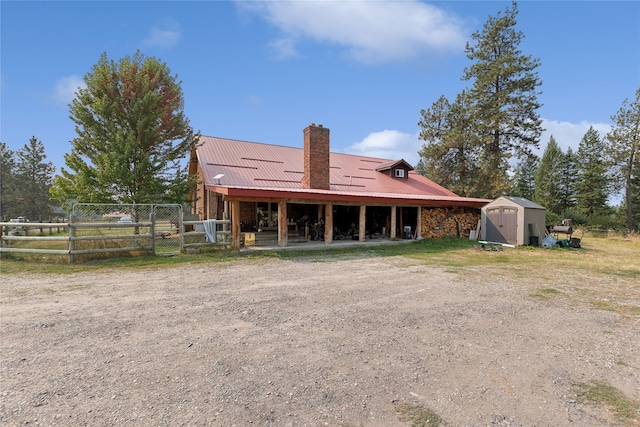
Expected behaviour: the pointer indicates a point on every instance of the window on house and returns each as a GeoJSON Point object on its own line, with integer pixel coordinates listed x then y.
{"type": "Point", "coordinates": [399, 173]}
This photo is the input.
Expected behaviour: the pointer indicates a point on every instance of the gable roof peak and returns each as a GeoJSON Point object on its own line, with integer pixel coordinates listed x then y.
{"type": "Point", "coordinates": [393, 164]}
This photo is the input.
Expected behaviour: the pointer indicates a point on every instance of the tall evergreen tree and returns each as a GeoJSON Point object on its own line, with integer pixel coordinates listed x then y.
{"type": "Point", "coordinates": [524, 177]}
{"type": "Point", "coordinates": [567, 184]}
{"type": "Point", "coordinates": [132, 135]}
{"type": "Point", "coordinates": [547, 178]}
{"type": "Point", "coordinates": [8, 194]}
{"type": "Point", "coordinates": [450, 153]}
{"type": "Point", "coordinates": [34, 180]}
{"type": "Point", "coordinates": [623, 154]}
{"type": "Point", "coordinates": [592, 187]}
{"type": "Point", "coordinates": [504, 98]}
{"type": "Point", "coordinates": [635, 197]}
{"type": "Point", "coordinates": [469, 143]}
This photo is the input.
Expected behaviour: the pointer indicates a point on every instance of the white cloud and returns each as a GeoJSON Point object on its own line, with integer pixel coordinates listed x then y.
{"type": "Point", "coordinates": [388, 144]}
{"type": "Point", "coordinates": [372, 31]}
{"type": "Point", "coordinates": [395, 145]}
{"type": "Point", "coordinates": [66, 88]}
{"type": "Point", "coordinates": [284, 48]}
{"type": "Point", "coordinates": [568, 134]}
{"type": "Point", "coordinates": [164, 35]}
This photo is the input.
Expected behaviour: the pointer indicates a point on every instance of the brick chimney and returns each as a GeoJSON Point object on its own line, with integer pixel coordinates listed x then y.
{"type": "Point", "coordinates": [316, 157]}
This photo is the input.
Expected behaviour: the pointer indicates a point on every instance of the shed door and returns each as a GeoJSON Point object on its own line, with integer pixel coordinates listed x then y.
{"type": "Point", "coordinates": [502, 225]}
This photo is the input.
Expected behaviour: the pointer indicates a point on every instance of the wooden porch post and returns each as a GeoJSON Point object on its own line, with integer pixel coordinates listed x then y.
{"type": "Point", "coordinates": [392, 232]}
{"type": "Point", "coordinates": [235, 224]}
{"type": "Point", "coordinates": [363, 221]}
{"type": "Point", "coordinates": [226, 215]}
{"type": "Point", "coordinates": [283, 223]}
{"type": "Point", "coordinates": [216, 206]}
{"type": "Point", "coordinates": [419, 224]}
{"type": "Point", "coordinates": [328, 223]}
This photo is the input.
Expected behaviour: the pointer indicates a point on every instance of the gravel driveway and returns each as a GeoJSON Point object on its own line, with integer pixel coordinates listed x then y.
{"type": "Point", "coordinates": [344, 342]}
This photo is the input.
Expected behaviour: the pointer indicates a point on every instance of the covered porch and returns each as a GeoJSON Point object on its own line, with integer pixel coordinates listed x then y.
{"type": "Point", "coordinates": [282, 222]}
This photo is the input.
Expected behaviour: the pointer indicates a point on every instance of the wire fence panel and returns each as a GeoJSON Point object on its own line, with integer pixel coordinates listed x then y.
{"type": "Point", "coordinates": [97, 230]}
{"type": "Point", "coordinates": [108, 214]}
{"type": "Point", "coordinates": [167, 228]}
{"type": "Point", "coordinates": [113, 227]}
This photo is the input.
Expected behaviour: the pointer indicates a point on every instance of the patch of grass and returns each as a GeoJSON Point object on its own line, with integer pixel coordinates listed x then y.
{"type": "Point", "coordinates": [417, 415]}
{"type": "Point", "coordinates": [545, 293]}
{"type": "Point", "coordinates": [597, 257]}
{"type": "Point", "coordinates": [630, 311]}
{"type": "Point", "coordinates": [626, 273]}
{"type": "Point", "coordinates": [602, 394]}
{"type": "Point", "coordinates": [602, 305]}
{"type": "Point", "coordinates": [28, 263]}
{"type": "Point", "coordinates": [16, 263]}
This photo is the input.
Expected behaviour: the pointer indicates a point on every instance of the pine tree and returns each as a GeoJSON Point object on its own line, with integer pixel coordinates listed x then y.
{"type": "Point", "coordinates": [8, 194]}
{"type": "Point", "coordinates": [34, 175]}
{"type": "Point", "coordinates": [450, 153]}
{"type": "Point", "coordinates": [503, 98]}
{"type": "Point", "coordinates": [592, 190]}
{"type": "Point", "coordinates": [567, 184]}
{"type": "Point", "coordinates": [132, 135]}
{"type": "Point", "coordinates": [469, 143]}
{"type": "Point", "coordinates": [524, 177]}
{"type": "Point", "coordinates": [634, 200]}
{"type": "Point", "coordinates": [623, 154]}
{"type": "Point", "coordinates": [547, 178]}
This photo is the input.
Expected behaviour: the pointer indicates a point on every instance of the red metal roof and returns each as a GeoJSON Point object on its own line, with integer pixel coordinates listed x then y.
{"type": "Point", "coordinates": [255, 169]}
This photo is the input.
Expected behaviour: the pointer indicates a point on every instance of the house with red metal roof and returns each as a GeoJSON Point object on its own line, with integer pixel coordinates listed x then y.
{"type": "Point", "coordinates": [294, 194]}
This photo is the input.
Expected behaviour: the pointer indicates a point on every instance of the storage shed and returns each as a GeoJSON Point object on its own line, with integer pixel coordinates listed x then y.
{"type": "Point", "coordinates": [513, 220]}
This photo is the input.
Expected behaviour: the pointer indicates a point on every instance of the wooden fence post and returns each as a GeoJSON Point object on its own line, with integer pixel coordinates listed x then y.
{"type": "Point", "coordinates": [152, 231]}
{"type": "Point", "coordinates": [72, 235]}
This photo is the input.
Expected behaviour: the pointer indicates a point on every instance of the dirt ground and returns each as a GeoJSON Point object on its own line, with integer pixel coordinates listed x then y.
{"type": "Point", "coordinates": [304, 343]}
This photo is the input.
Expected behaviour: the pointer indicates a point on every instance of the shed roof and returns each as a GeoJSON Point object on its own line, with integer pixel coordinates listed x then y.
{"type": "Point", "coordinates": [521, 201]}
{"type": "Point", "coordinates": [254, 169]}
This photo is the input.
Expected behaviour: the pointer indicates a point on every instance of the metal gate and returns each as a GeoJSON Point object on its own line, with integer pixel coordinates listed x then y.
{"type": "Point", "coordinates": [502, 225]}
{"type": "Point", "coordinates": [167, 220]}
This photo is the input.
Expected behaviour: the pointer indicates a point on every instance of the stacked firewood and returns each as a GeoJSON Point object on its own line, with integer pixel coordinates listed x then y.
{"type": "Point", "coordinates": [453, 221]}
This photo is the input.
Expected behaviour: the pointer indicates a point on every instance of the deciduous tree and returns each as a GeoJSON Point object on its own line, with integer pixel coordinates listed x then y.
{"type": "Point", "coordinates": [132, 134]}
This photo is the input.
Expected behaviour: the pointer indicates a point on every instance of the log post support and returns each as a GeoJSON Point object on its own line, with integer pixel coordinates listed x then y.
{"type": "Point", "coordinates": [283, 223]}
{"type": "Point", "coordinates": [392, 231]}
{"type": "Point", "coordinates": [235, 224]}
{"type": "Point", "coordinates": [328, 223]}
{"type": "Point", "coordinates": [363, 223]}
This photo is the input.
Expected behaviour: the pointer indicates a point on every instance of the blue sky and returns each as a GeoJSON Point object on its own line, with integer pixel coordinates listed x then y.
{"type": "Point", "coordinates": [262, 71]}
